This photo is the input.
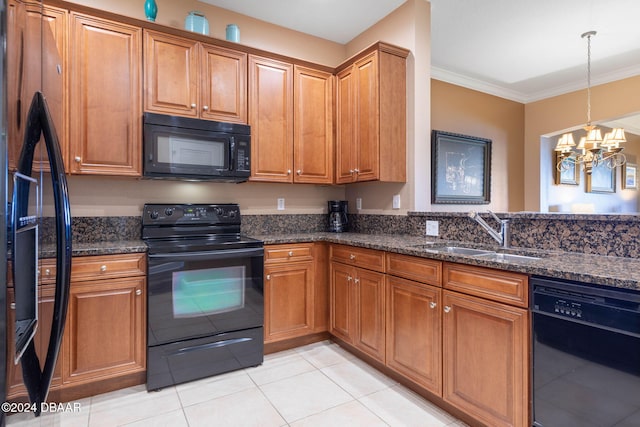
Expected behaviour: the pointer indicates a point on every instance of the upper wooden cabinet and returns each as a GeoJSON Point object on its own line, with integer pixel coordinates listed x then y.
{"type": "Point", "coordinates": [371, 117]}
{"type": "Point", "coordinates": [105, 88]}
{"type": "Point", "coordinates": [271, 119]}
{"type": "Point", "coordinates": [291, 118]}
{"type": "Point", "coordinates": [188, 78]}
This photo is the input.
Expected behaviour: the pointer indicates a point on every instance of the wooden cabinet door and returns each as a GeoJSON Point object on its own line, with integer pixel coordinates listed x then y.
{"type": "Point", "coordinates": [485, 349]}
{"type": "Point", "coordinates": [369, 311]}
{"type": "Point", "coordinates": [105, 97]}
{"type": "Point", "coordinates": [414, 344]}
{"type": "Point", "coordinates": [313, 126]}
{"type": "Point", "coordinates": [288, 300]}
{"type": "Point", "coordinates": [46, 296]}
{"type": "Point", "coordinates": [341, 297]}
{"type": "Point", "coordinates": [271, 119]}
{"type": "Point", "coordinates": [106, 329]}
{"type": "Point", "coordinates": [368, 117]}
{"type": "Point", "coordinates": [345, 127]}
{"type": "Point", "coordinates": [223, 84]}
{"type": "Point", "coordinates": [171, 74]}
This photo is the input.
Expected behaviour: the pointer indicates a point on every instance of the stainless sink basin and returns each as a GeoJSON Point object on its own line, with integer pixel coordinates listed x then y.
{"type": "Point", "coordinates": [456, 250]}
{"type": "Point", "coordinates": [499, 256]}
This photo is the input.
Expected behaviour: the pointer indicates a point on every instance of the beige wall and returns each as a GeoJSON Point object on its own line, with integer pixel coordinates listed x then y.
{"type": "Point", "coordinates": [568, 112]}
{"type": "Point", "coordinates": [469, 112]}
{"type": "Point", "coordinates": [409, 26]}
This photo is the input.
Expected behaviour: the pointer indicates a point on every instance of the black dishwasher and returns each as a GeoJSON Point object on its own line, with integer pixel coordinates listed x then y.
{"type": "Point", "coordinates": [586, 354]}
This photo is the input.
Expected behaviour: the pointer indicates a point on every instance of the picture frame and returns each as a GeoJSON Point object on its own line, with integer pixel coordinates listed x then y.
{"type": "Point", "coordinates": [569, 174]}
{"type": "Point", "coordinates": [629, 176]}
{"type": "Point", "coordinates": [460, 168]}
{"type": "Point", "coordinates": [601, 180]}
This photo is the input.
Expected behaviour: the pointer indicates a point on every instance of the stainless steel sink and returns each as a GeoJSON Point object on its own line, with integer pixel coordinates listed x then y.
{"type": "Point", "coordinates": [503, 257]}
{"type": "Point", "coordinates": [456, 250]}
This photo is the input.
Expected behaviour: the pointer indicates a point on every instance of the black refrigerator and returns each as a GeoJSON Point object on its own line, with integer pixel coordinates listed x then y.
{"type": "Point", "coordinates": [33, 187]}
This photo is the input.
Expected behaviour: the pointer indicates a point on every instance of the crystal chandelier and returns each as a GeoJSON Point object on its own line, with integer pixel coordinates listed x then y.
{"type": "Point", "coordinates": [593, 149]}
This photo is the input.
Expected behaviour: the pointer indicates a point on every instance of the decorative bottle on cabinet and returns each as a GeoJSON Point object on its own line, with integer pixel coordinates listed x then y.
{"type": "Point", "coordinates": [150, 9]}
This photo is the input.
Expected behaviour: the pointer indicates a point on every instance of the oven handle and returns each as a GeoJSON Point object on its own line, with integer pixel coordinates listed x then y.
{"type": "Point", "coordinates": [212, 255]}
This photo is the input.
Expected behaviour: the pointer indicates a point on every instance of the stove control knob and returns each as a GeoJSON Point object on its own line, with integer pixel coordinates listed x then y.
{"type": "Point", "coordinates": [154, 215]}
{"type": "Point", "coordinates": [218, 211]}
{"type": "Point", "coordinates": [168, 211]}
{"type": "Point", "coordinates": [232, 214]}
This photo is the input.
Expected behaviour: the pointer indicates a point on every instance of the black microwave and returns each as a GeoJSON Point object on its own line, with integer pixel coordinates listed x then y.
{"type": "Point", "coordinates": [193, 149]}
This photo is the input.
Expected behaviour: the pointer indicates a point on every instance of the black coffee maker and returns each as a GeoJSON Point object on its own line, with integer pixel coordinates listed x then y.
{"type": "Point", "coordinates": [338, 216]}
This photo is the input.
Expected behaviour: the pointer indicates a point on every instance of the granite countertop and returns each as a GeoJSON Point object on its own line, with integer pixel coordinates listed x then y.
{"type": "Point", "coordinates": [595, 269]}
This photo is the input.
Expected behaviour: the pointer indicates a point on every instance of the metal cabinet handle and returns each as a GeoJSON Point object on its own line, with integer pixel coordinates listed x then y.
{"type": "Point", "coordinates": [290, 253]}
{"type": "Point", "coordinates": [12, 305]}
{"type": "Point", "coordinates": [356, 281]}
{"type": "Point", "coordinates": [205, 108]}
{"type": "Point", "coordinates": [349, 278]}
{"type": "Point", "coordinates": [299, 172]}
{"type": "Point", "coordinates": [351, 171]}
{"type": "Point", "coordinates": [356, 170]}
{"type": "Point", "coordinates": [447, 309]}
{"type": "Point", "coordinates": [352, 256]}
{"type": "Point", "coordinates": [193, 105]}
{"type": "Point", "coordinates": [138, 292]}
{"type": "Point", "coordinates": [288, 171]}
{"type": "Point", "coordinates": [103, 268]}
{"type": "Point", "coordinates": [268, 277]}
{"type": "Point", "coordinates": [432, 304]}
{"type": "Point", "coordinates": [47, 272]}
{"type": "Point", "coordinates": [77, 159]}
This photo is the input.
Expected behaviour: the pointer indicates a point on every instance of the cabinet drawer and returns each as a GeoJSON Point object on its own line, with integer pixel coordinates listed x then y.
{"type": "Point", "coordinates": [286, 253]}
{"type": "Point", "coordinates": [415, 268]}
{"type": "Point", "coordinates": [46, 272]}
{"type": "Point", "coordinates": [359, 257]}
{"type": "Point", "coordinates": [106, 266]}
{"type": "Point", "coordinates": [496, 285]}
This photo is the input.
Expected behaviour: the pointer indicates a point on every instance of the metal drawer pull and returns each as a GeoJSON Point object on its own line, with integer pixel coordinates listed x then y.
{"type": "Point", "coordinates": [268, 277]}
{"type": "Point", "coordinates": [432, 304]}
{"type": "Point", "coordinates": [356, 281]}
{"type": "Point", "coordinates": [78, 159]}
{"type": "Point", "coordinates": [13, 306]}
{"type": "Point", "coordinates": [103, 268]}
{"type": "Point", "coordinates": [447, 309]}
{"type": "Point", "coordinates": [47, 272]}
{"type": "Point", "coordinates": [193, 105]}
{"type": "Point", "coordinates": [205, 108]}
{"type": "Point", "coordinates": [352, 256]}
{"type": "Point", "coordinates": [138, 292]}
{"type": "Point", "coordinates": [290, 253]}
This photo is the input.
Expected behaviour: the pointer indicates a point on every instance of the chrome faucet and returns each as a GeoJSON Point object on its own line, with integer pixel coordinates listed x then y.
{"type": "Point", "coordinates": [501, 236]}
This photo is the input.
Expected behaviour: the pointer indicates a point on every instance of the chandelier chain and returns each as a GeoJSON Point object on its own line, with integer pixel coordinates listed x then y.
{"type": "Point", "coordinates": [589, 80]}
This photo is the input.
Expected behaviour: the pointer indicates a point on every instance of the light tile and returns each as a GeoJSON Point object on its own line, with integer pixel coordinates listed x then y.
{"type": "Point", "coordinates": [352, 414]}
{"type": "Point", "coordinates": [209, 388]}
{"type": "Point", "coordinates": [245, 408]}
{"type": "Point", "coordinates": [304, 395]}
{"type": "Point", "coordinates": [398, 406]}
{"type": "Point", "coordinates": [275, 369]}
{"type": "Point", "coordinates": [130, 405]}
{"type": "Point", "coordinates": [24, 419]}
{"type": "Point", "coordinates": [357, 378]}
{"type": "Point", "coordinates": [325, 354]}
{"type": "Point", "coordinates": [172, 419]}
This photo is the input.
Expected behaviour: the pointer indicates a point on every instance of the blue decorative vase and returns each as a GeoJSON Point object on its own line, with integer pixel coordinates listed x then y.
{"type": "Point", "coordinates": [196, 22]}
{"type": "Point", "coordinates": [150, 9]}
{"type": "Point", "coordinates": [233, 33]}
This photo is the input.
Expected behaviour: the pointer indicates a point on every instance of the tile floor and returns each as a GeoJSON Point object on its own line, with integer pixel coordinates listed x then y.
{"type": "Point", "coordinates": [317, 385]}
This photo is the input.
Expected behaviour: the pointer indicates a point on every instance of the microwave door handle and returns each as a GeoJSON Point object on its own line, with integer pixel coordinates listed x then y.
{"type": "Point", "coordinates": [232, 153]}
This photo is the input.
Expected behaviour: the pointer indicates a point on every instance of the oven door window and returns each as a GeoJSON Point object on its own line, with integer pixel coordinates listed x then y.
{"type": "Point", "coordinates": [208, 291]}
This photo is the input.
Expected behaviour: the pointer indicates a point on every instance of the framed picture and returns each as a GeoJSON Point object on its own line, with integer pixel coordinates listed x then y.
{"type": "Point", "coordinates": [629, 176]}
{"type": "Point", "coordinates": [460, 169]}
{"type": "Point", "coordinates": [569, 173]}
{"type": "Point", "coordinates": [601, 180]}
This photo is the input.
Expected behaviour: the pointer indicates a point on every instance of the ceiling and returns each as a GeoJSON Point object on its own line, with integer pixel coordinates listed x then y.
{"type": "Point", "coordinates": [522, 50]}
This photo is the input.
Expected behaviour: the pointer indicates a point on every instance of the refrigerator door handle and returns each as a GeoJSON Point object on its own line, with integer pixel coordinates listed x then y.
{"type": "Point", "coordinates": [39, 122]}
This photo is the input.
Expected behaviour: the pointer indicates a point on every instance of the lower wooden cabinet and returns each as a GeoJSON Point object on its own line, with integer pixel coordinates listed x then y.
{"type": "Point", "coordinates": [357, 308]}
{"type": "Point", "coordinates": [414, 324]}
{"type": "Point", "coordinates": [105, 330]}
{"type": "Point", "coordinates": [485, 359]}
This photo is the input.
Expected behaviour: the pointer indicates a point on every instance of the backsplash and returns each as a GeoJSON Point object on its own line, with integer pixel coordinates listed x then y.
{"type": "Point", "coordinates": [614, 235]}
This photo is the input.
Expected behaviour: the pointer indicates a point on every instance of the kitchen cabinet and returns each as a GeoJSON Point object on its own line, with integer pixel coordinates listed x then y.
{"type": "Point", "coordinates": [485, 347]}
{"type": "Point", "coordinates": [288, 291]}
{"type": "Point", "coordinates": [414, 319]}
{"type": "Point", "coordinates": [371, 116]}
{"type": "Point", "coordinates": [24, 76]}
{"type": "Point", "coordinates": [291, 118]}
{"type": "Point", "coordinates": [357, 298]}
{"type": "Point", "coordinates": [271, 119]}
{"type": "Point", "coordinates": [187, 78]}
{"type": "Point", "coordinates": [46, 293]}
{"type": "Point", "coordinates": [105, 87]}
{"type": "Point", "coordinates": [106, 325]}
